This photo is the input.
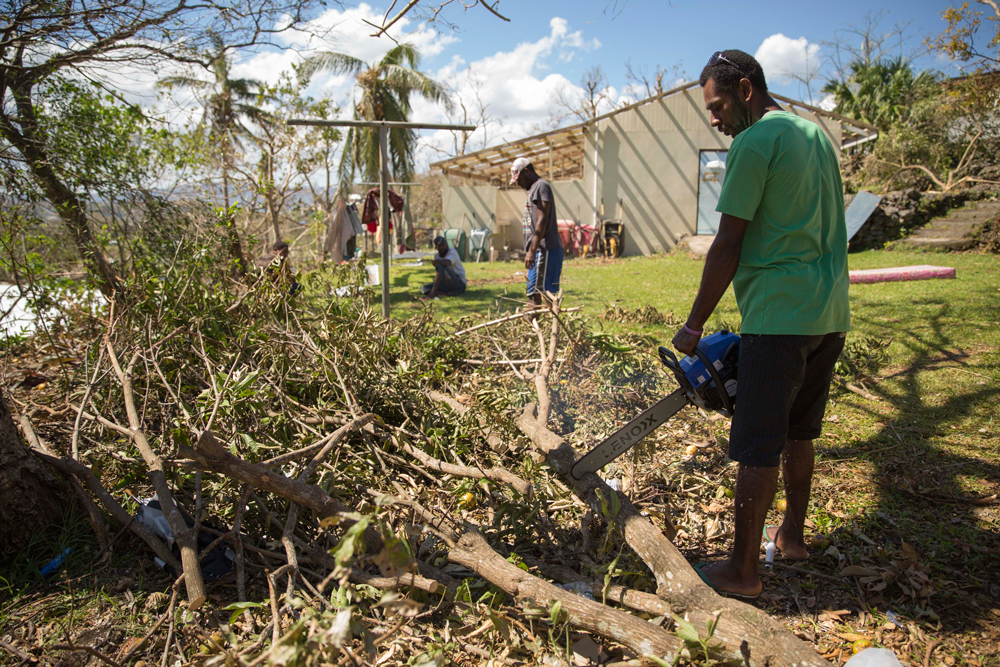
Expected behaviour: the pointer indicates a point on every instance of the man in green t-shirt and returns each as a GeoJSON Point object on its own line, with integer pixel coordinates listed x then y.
{"type": "Point", "coordinates": [782, 242]}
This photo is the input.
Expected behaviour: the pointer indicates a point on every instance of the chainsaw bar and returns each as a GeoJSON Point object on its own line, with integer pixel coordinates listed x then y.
{"type": "Point", "coordinates": [630, 434]}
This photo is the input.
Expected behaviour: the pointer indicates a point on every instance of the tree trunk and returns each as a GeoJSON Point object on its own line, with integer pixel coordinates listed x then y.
{"type": "Point", "coordinates": [235, 245]}
{"type": "Point", "coordinates": [30, 142]}
{"type": "Point", "coordinates": [30, 497]}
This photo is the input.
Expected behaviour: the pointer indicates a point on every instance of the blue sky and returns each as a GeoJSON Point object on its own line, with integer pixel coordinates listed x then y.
{"type": "Point", "coordinates": [651, 32]}
{"type": "Point", "coordinates": [516, 70]}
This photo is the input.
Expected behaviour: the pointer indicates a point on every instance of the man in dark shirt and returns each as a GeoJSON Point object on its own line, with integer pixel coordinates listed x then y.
{"type": "Point", "coordinates": [542, 246]}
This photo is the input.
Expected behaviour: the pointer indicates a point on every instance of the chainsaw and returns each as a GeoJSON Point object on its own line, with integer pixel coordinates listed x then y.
{"type": "Point", "coordinates": [707, 379]}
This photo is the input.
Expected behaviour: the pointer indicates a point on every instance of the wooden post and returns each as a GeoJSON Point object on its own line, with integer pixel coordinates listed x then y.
{"type": "Point", "coordinates": [384, 221]}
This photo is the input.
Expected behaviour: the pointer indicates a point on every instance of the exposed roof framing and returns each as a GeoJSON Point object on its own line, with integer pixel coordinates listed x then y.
{"type": "Point", "coordinates": [854, 132]}
{"type": "Point", "coordinates": [558, 154]}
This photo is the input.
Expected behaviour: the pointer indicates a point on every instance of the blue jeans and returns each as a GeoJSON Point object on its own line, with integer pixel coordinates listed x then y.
{"type": "Point", "coordinates": [544, 275]}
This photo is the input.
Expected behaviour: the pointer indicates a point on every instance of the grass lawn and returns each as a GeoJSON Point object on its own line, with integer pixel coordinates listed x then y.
{"type": "Point", "coordinates": [909, 481]}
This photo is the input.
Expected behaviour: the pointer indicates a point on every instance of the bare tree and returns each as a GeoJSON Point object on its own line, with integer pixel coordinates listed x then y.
{"type": "Point", "coordinates": [588, 104]}
{"type": "Point", "coordinates": [811, 73]}
{"type": "Point", "coordinates": [868, 42]}
{"type": "Point", "coordinates": [470, 109]}
{"type": "Point", "coordinates": [653, 83]}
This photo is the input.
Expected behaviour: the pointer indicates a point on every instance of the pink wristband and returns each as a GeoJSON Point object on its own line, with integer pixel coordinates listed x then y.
{"type": "Point", "coordinates": [692, 331]}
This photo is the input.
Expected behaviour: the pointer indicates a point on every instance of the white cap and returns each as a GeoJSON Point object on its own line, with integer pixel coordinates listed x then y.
{"type": "Point", "coordinates": [516, 168]}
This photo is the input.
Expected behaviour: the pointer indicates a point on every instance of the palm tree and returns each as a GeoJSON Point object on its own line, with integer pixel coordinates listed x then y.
{"type": "Point", "coordinates": [386, 87]}
{"type": "Point", "coordinates": [881, 93]}
{"type": "Point", "coordinates": [229, 103]}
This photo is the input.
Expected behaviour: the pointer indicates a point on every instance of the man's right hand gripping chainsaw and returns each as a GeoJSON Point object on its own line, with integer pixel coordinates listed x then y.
{"type": "Point", "coordinates": [707, 379]}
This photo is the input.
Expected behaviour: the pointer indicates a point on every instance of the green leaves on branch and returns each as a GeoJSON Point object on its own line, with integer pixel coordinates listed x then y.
{"type": "Point", "coordinates": [882, 93]}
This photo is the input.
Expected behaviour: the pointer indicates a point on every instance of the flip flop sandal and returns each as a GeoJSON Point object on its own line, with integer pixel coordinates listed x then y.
{"type": "Point", "coordinates": [725, 594]}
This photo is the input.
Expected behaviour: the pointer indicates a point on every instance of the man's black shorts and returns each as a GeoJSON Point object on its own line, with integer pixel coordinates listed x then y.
{"type": "Point", "coordinates": [781, 393]}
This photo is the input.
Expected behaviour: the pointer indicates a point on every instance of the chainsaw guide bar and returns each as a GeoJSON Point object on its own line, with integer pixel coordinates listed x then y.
{"type": "Point", "coordinates": [707, 379]}
{"type": "Point", "coordinates": [629, 435]}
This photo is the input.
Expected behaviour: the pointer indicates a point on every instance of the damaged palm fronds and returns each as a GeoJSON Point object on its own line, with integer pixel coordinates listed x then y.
{"type": "Point", "coordinates": [383, 497]}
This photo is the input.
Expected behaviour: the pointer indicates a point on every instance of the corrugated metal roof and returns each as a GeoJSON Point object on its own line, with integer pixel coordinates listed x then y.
{"type": "Point", "coordinates": [559, 153]}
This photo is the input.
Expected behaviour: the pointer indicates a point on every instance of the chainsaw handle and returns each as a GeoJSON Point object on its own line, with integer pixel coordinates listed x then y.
{"type": "Point", "coordinates": [719, 386]}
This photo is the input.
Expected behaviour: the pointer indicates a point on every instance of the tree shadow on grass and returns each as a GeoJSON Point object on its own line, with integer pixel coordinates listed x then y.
{"type": "Point", "coordinates": [926, 534]}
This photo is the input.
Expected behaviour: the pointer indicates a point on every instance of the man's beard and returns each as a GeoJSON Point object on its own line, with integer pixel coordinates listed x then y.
{"type": "Point", "coordinates": [742, 116]}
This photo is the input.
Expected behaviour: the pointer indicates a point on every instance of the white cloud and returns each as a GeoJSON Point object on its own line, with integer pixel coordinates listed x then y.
{"type": "Point", "coordinates": [350, 31]}
{"type": "Point", "coordinates": [515, 87]}
{"type": "Point", "coordinates": [783, 57]}
{"type": "Point", "coordinates": [335, 30]}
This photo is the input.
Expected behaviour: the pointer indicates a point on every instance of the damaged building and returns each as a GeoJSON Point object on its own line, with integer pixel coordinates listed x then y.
{"type": "Point", "coordinates": [658, 165]}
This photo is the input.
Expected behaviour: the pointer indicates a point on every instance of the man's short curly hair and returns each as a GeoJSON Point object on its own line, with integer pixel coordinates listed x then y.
{"type": "Point", "coordinates": [728, 78]}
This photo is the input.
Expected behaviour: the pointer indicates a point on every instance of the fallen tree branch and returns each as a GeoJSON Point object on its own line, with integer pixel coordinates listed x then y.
{"type": "Point", "coordinates": [495, 474]}
{"type": "Point", "coordinates": [209, 454]}
{"type": "Point", "coordinates": [68, 466]}
{"type": "Point", "coordinates": [93, 515]}
{"type": "Point", "coordinates": [508, 318]}
{"type": "Point", "coordinates": [769, 642]}
{"type": "Point", "coordinates": [626, 597]}
{"type": "Point", "coordinates": [183, 536]}
{"type": "Point", "coordinates": [857, 390]}
{"type": "Point", "coordinates": [473, 552]}
{"type": "Point", "coordinates": [493, 438]}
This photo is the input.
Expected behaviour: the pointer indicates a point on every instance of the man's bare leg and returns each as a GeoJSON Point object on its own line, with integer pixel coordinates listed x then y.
{"type": "Point", "coordinates": [797, 464]}
{"type": "Point", "coordinates": [755, 487]}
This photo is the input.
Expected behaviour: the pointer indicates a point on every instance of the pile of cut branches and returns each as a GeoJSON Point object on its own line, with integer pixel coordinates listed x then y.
{"type": "Point", "coordinates": [389, 492]}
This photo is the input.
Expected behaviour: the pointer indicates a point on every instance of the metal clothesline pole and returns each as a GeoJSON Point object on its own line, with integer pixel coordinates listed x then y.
{"type": "Point", "coordinates": [383, 131]}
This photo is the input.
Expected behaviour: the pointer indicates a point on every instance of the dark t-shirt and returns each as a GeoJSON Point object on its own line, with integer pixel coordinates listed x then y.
{"type": "Point", "coordinates": [540, 191]}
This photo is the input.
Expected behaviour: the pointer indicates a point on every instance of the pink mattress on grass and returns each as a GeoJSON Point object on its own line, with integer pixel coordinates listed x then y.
{"type": "Point", "coordinates": [921, 272]}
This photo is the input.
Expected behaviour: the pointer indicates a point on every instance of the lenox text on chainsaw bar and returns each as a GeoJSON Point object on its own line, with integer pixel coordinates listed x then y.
{"type": "Point", "coordinates": [635, 433]}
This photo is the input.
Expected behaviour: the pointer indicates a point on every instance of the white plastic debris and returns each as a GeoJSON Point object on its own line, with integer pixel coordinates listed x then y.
{"type": "Point", "coordinates": [874, 657]}
{"type": "Point", "coordinates": [769, 552]}
{"type": "Point", "coordinates": [151, 516]}
{"type": "Point", "coordinates": [615, 484]}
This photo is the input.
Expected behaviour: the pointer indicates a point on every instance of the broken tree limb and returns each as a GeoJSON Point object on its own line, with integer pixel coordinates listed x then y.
{"type": "Point", "coordinates": [209, 454]}
{"type": "Point", "coordinates": [321, 557]}
{"type": "Point", "coordinates": [293, 509]}
{"type": "Point", "coordinates": [626, 597]}
{"type": "Point", "coordinates": [495, 474]}
{"type": "Point", "coordinates": [857, 390]}
{"type": "Point", "coordinates": [768, 641]}
{"type": "Point", "coordinates": [183, 536]}
{"type": "Point", "coordinates": [508, 318]}
{"type": "Point", "coordinates": [35, 443]}
{"type": "Point", "coordinates": [473, 552]}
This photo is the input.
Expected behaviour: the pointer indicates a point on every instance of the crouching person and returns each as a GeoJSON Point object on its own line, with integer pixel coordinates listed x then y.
{"type": "Point", "coordinates": [449, 277]}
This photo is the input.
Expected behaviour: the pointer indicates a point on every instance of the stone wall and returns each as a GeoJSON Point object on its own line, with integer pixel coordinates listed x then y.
{"type": "Point", "coordinates": [902, 211]}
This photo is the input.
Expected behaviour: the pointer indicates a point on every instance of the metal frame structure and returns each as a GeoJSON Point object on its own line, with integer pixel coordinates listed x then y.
{"type": "Point", "coordinates": [383, 151]}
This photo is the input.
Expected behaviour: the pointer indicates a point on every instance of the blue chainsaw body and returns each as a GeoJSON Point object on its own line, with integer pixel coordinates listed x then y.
{"type": "Point", "coordinates": [707, 379]}
{"type": "Point", "coordinates": [709, 375]}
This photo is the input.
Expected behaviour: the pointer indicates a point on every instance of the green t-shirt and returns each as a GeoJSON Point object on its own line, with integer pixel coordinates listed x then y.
{"type": "Point", "coordinates": [782, 174]}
